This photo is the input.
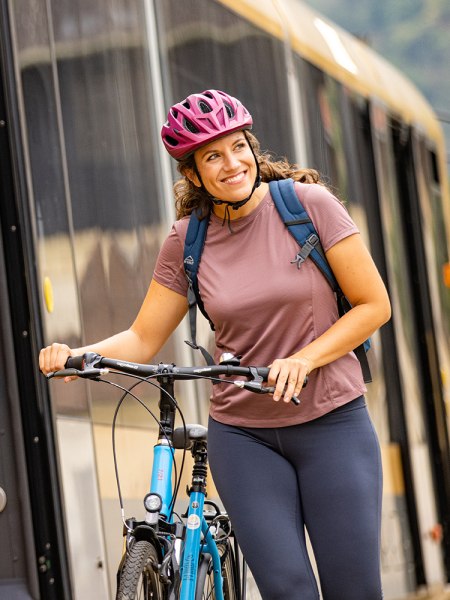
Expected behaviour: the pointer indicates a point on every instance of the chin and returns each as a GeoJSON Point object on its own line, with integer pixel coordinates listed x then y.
{"type": "Point", "coordinates": [239, 193]}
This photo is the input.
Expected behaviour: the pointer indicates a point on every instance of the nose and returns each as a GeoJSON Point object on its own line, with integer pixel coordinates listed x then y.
{"type": "Point", "coordinates": [231, 161]}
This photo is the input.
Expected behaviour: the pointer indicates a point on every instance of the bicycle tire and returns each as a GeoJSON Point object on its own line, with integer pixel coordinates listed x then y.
{"type": "Point", "coordinates": [138, 578]}
{"type": "Point", "coordinates": [205, 589]}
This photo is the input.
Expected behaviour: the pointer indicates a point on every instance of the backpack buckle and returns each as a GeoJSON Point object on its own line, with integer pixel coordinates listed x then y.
{"type": "Point", "coordinates": [306, 250]}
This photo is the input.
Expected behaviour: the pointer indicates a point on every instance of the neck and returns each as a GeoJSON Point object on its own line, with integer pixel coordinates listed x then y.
{"type": "Point", "coordinates": [257, 196]}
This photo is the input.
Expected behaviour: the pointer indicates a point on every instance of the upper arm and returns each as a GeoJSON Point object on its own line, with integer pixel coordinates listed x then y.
{"type": "Point", "coordinates": [357, 274]}
{"type": "Point", "coordinates": [160, 314]}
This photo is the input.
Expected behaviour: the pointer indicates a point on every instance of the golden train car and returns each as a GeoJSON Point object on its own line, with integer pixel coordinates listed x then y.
{"type": "Point", "coordinates": [85, 202]}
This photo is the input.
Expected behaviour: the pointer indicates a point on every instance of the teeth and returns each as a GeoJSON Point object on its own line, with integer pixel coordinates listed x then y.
{"type": "Point", "coordinates": [235, 178]}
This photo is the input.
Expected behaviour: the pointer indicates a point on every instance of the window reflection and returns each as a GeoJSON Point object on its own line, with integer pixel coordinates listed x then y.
{"type": "Point", "coordinates": [205, 45]}
{"type": "Point", "coordinates": [88, 110]}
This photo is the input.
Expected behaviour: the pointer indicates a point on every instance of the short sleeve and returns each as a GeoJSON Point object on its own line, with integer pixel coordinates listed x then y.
{"type": "Point", "coordinates": [330, 217]}
{"type": "Point", "coordinates": [169, 270]}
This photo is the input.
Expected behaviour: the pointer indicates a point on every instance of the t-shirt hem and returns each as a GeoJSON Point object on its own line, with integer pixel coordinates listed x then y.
{"type": "Point", "coordinates": [327, 407]}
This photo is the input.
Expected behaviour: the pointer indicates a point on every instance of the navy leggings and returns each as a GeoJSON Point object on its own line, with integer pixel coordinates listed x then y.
{"type": "Point", "coordinates": [324, 475]}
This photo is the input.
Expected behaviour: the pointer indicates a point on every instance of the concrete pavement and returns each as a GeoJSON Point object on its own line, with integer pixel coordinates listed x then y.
{"type": "Point", "coordinates": [432, 593]}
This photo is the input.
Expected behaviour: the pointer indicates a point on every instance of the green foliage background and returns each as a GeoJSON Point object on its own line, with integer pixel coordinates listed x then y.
{"type": "Point", "coordinates": [414, 35]}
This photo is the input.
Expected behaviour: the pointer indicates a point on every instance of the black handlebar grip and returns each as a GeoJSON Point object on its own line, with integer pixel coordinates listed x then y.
{"type": "Point", "coordinates": [264, 372]}
{"type": "Point", "coordinates": [74, 362]}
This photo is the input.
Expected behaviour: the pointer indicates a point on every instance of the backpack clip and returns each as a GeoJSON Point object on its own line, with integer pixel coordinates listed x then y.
{"type": "Point", "coordinates": [306, 250]}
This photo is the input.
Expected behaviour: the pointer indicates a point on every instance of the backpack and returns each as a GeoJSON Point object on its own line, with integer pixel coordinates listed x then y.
{"type": "Point", "coordinates": [300, 227]}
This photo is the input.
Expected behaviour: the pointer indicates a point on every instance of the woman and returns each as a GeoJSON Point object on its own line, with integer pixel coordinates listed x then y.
{"type": "Point", "coordinates": [278, 468]}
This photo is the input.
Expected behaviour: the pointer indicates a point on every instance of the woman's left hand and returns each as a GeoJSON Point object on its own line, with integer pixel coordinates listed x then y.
{"type": "Point", "coordinates": [287, 375]}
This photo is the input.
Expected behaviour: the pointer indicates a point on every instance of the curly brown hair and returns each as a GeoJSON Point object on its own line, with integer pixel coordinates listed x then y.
{"type": "Point", "coordinates": [188, 196]}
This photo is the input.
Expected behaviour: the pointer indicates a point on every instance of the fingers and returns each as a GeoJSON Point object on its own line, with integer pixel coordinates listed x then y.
{"type": "Point", "coordinates": [54, 357]}
{"type": "Point", "coordinates": [287, 375]}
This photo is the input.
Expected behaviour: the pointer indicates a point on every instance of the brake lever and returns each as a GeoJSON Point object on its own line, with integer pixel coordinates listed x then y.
{"type": "Point", "coordinates": [295, 399]}
{"type": "Point", "coordinates": [258, 388]}
{"type": "Point", "coordinates": [270, 390]}
{"type": "Point", "coordinates": [256, 385]}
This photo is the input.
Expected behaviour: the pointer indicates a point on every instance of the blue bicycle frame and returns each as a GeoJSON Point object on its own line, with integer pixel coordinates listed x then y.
{"type": "Point", "coordinates": [176, 548]}
{"type": "Point", "coordinates": [161, 483]}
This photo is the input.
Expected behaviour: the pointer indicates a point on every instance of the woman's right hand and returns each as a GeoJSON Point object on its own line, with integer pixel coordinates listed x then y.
{"type": "Point", "coordinates": [54, 357]}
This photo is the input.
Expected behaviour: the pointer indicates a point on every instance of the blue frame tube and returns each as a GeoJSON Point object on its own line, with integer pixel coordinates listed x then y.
{"type": "Point", "coordinates": [195, 525]}
{"type": "Point", "coordinates": [210, 547]}
{"type": "Point", "coordinates": [161, 480]}
{"type": "Point", "coordinates": [191, 550]}
{"type": "Point", "coordinates": [161, 483]}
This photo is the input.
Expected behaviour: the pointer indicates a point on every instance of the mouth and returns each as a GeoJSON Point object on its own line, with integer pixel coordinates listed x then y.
{"type": "Point", "coordinates": [235, 178]}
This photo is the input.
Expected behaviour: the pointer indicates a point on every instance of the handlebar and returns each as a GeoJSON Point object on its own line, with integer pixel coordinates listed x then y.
{"type": "Point", "coordinates": [92, 366]}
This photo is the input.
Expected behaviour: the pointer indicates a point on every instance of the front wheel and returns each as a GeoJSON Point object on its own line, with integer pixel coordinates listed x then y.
{"type": "Point", "coordinates": [139, 577]}
{"type": "Point", "coordinates": [205, 589]}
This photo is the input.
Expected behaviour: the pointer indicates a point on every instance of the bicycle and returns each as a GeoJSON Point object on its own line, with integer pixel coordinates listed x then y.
{"type": "Point", "coordinates": [169, 557]}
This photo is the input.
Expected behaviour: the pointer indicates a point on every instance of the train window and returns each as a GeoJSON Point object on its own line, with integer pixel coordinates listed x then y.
{"type": "Point", "coordinates": [94, 167]}
{"type": "Point", "coordinates": [316, 117]}
{"type": "Point", "coordinates": [93, 151]}
{"type": "Point", "coordinates": [205, 45]}
{"type": "Point", "coordinates": [322, 98]}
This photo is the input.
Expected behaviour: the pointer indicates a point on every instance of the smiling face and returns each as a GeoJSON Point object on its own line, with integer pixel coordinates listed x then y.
{"type": "Point", "coordinates": [227, 167]}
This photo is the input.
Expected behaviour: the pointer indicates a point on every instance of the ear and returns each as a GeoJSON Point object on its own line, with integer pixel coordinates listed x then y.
{"type": "Point", "coordinates": [192, 176]}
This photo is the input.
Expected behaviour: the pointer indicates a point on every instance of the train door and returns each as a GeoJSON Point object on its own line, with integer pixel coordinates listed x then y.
{"type": "Point", "coordinates": [401, 553]}
{"type": "Point", "coordinates": [18, 573]}
{"type": "Point", "coordinates": [408, 335]}
{"type": "Point", "coordinates": [43, 494]}
{"type": "Point", "coordinates": [425, 233]}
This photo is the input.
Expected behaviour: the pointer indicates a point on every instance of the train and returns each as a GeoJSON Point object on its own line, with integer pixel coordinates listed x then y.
{"type": "Point", "coordinates": [86, 200]}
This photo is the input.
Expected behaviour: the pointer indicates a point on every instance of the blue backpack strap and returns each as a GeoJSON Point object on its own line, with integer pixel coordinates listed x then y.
{"type": "Point", "coordinates": [303, 231]}
{"type": "Point", "coordinates": [301, 228]}
{"type": "Point", "coordinates": [193, 248]}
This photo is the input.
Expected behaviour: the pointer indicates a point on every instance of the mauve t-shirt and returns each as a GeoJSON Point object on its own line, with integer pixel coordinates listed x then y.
{"type": "Point", "coordinates": [264, 307]}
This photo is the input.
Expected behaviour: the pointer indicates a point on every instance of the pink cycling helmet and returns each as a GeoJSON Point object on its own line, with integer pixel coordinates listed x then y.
{"type": "Point", "coordinates": [200, 119]}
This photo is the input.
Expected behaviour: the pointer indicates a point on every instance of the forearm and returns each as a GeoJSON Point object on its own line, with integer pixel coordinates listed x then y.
{"type": "Point", "coordinates": [346, 334]}
{"type": "Point", "coordinates": [126, 345]}
{"type": "Point", "coordinates": [161, 312]}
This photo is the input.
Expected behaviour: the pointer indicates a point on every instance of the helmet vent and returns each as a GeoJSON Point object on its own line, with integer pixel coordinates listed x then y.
{"type": "Point", "coordinates": [190, 126]}
{"type": "Point", "coordinates": [229, 109]}
{"type": "Point", "coordinates": [205, 108]}
{"type": "Point", "coordinates": [186, 104]}
{"type": "Point", "coordinates": [170, 140]}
